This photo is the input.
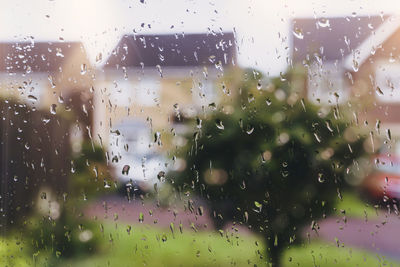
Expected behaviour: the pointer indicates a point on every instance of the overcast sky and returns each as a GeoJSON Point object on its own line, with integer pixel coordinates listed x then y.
{"type": "Point", "coordinates": [262, 26]}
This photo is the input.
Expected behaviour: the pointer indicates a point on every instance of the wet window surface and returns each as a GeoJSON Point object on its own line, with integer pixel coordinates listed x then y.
{"type": "Point", "coordinates": [199, 133]}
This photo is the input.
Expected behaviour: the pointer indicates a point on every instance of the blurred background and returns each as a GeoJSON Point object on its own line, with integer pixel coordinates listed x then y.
{"type": "Point", "coordinates": [192, 133]}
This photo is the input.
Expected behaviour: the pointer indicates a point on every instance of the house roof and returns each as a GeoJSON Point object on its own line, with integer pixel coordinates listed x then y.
{"type": "Point", "coordinates": [370, 44]}
{"type": "Point", "coordinates": [34, 57]}
{"type": "Point", "coordinates": [174, 50]}
{"type": "Point", "coordinates": [331, 38]}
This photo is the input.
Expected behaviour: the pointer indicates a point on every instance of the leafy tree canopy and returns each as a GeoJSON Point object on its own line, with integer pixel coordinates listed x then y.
{"type": "Point", "coordinates": [267, 158]}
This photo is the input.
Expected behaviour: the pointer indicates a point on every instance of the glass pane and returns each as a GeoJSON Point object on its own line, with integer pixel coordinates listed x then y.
{"type": "Point", "coordinates": [199, 133]}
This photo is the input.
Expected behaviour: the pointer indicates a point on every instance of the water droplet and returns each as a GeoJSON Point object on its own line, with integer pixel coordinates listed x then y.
{"type": "Point", "coordinates": [32, 98]}
{"type": "Point", "coordinates": [53, 108]}
{"type": "Point", "coordinates": [51, 80]}
{"type": "Point", "coordinates": [250, 129]}
{"type": "Point", "coordinates": [59, 53]}
{"type": "Point", "coordinates": [201, 210]}
{"type": "Point", "coordinates": [72, 167]}
{"type": "Point", "coordinates": [160, 71]}
{"type": "Point", "coordinates": [157, 138]}
{"type": "Point", "coordinates": [350, 149]}
{"type": "Point", "coordinates": [161, 176]}
{"type": "Point", "coordinates": [219, 124]}
{"type": "Point", "coordinates": [303, 104]}
{"type": "Point", "coordinates": [317, 138]}
{"type": "Point", "coordinates": [355, 65]}
{"type": "Point", "coordinates": [328, 125]}
{"type": "Point", "coordinates": [83, 69]}
{"type": "Point", "coordinates": [164, 238]}
{"type": "Point", "coordinates": [85, 110]}
{"type": "Point", "coordinates": [99, 57]}
{"type": "Point", "coordinates": [128, 229]}
{"type": "Point", "coordinates": [45, 120]}
{"type": "Point", "coordinates": [125, 170]}
{"type": "Point", "coordinates": [378, 126]}
{"type": "Point", "coordinates": [198, 123]}
{"type": "Point", "coordinates": [323, 23]}
{"type": "Point", "coordinates": [250, 98]}
{"type": "Point", "coordinates": [282, 77]}
{"type": "Point", "coordinates": [321, 178]}
{"type": "Point", "coordinates": [298, 33]}
{"type": "Point", "coordinates": [389, 134]}
{"type": "Point", "coordinates": [379, 90]}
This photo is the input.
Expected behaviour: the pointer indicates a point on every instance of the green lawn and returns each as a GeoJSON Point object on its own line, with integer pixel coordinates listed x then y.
{"type": "Point", "coordinates": [355, 207]}
{"type": "Point", "coordinates": [322, 254]}
{"type": "Point", "coordinates": [150, 246]}
{"type": "Point", "coordinates": [145, 247]}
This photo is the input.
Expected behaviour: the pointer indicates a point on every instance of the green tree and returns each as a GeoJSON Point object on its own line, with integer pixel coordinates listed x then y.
{"type": "Point", "coordinates": [268, 159]}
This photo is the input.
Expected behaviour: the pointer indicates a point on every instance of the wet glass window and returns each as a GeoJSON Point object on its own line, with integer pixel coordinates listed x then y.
{"type": "Point", "coordinates": [199, 133]}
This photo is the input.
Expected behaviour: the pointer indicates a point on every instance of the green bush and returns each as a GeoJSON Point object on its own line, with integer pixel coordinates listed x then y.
{"type": "Point", "coordinates": [62, 228]}
{"type": "Point", "coordinates": [13, 252]}
{"type": "Point", "coordinates": [66, 236]}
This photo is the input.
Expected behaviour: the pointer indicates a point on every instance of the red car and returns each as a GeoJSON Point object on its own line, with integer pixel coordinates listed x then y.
{"type": "Point", "coordinates": [384, 181]}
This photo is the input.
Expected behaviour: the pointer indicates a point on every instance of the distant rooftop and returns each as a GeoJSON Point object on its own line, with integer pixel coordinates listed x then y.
{"type": "Point", "coordinates": [175, 50]}
{"type": "Point", "coordinates": [37, 56]}
{"type": "Point", "coordinates": [331, 38]}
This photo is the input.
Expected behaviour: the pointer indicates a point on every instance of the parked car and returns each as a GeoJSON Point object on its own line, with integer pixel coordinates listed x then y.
{"type": "Point", "coordinates": [136, 161]}
{"type": "Point", "coordinates": [384, 180]}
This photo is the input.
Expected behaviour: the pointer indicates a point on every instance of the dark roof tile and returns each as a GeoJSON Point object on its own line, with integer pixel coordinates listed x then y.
{"type": "Point", "coordinates": [173, 50]}
{"type": "Point", "coordinates": [36, 56]}
{"type": "Point", "coordinates": [331, 38]}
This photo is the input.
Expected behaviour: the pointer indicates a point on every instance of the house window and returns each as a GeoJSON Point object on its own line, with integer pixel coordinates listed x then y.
{"type": "Point", "coordinates": [121, 93]}
{"type": "Point", "coordinates": [326, 84]}
{"type": "Point", "coordinates": [147, 92]}
{"type": "Point", "coordinates": [35, 89]}
{"type": "Point", "coordinates": [143, 93]}
{"type": "Point", "coordinates": [28, 89]}
{"type": "Point", "coordinates": [204, 92]}
{"type": "Point", "coordinates": [388, 81]}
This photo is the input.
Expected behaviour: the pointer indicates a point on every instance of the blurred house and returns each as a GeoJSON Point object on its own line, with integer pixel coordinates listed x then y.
{"type": "Point", "coordinates": [48, 75]}
{"type": "Point", "coordinates": [376, 69]}
{"type": "Point", "coordinates": [352, 57]}
{"type": "Point", "coordinates": [160, 79]}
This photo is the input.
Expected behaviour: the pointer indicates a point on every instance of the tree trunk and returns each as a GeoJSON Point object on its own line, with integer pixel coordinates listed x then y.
{"type": "Point", "coordinates": [274, 260]}
{"type": "Point", "coordinates": [273, 253]}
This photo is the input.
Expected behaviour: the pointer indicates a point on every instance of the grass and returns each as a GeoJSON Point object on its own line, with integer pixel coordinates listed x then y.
{"type": "Point", "coordinates": [145, 247]}
{"type": "Point", "coordinates": [355, 207]}
{"type": "Point", "coordinates": [150, 246]}
{"type": "Point", "coordinates": [322, 254]}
